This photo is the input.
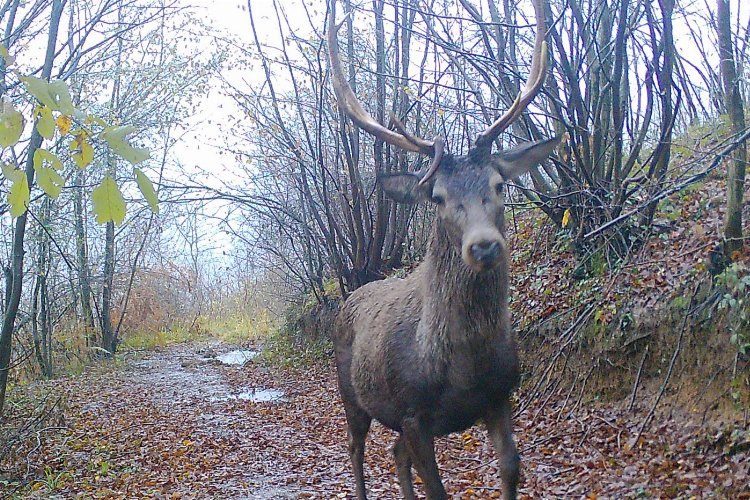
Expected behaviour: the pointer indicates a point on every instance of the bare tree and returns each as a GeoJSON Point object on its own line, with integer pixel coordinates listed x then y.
{"type": "Point", "coordinates": [15, 277]}
{"type": "Point", "coordinates": [735, 108]}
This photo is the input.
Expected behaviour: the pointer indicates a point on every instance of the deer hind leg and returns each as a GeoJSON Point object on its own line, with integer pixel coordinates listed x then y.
{"type": "Point", "coordinates": [500, 430]}
{"type": "Point", "coordinates": [403, 467]}
{"type": "Point", "coordinates": [358, 426]}
{"type": "Point", "coordinates": [421, 447]}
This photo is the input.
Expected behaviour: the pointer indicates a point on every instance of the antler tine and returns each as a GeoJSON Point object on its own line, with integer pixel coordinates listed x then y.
{"type": "Point", "coordinates": [530, 90]}
{"type": "Point", "coordinates": [438, 144]}
{"type": "Point", "coordinates": [353, 108]}
{"type": "Point", "coordinates": [435, 163]}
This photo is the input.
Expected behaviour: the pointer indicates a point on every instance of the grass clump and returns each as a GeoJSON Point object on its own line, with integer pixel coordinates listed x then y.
{"type": "Point", "coordinates": [241, 327]}
{"type": "Point", "coordinates": [145, 340]}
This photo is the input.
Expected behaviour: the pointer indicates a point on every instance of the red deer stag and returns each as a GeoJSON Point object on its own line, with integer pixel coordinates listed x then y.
{"type": "Point", "coordinates": [434, 353]}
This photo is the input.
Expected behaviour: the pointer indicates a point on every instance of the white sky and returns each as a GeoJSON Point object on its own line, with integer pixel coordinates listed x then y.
{"type": "Point", "coordinates": [200, 151]}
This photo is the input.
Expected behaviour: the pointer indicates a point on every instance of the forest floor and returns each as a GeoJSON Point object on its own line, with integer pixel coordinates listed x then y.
{"type": "Point", "coordinates": [180, 423]}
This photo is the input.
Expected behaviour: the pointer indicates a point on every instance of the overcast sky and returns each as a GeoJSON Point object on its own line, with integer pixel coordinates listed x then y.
{"type": "Point", "coordinates": [202, 147]}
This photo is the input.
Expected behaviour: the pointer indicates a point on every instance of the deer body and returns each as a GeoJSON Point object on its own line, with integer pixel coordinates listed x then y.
{"type": "Point", "coordinates": [436, 344]}
{"type": "Point", "coordinates": [434, 353]}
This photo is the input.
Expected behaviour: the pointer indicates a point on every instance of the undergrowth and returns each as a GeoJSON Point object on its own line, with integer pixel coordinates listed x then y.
{"type": "Point", "coordinates": [289, 351]}
{"type": "Point", "coordinates": [302, 338]}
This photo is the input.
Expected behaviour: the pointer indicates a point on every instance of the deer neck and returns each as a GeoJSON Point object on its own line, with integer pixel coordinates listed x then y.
{"type": "Point", "coordinates": [461, 307]}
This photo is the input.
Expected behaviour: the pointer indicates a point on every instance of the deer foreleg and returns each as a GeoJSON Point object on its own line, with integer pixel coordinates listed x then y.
{"type": "Point", "coordinates": [359, 425]}
{"type": "Point", "coordinates": [403, 468]}
{"type": "Point", "coordinates": [422, 450]}
{"type": "Point", "coordinates": [500, 430]}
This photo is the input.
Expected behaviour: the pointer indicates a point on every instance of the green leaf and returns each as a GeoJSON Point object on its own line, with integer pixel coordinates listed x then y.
{"type": "Point", "coordinates": [108, 202]}
{"type": "Point", "coordinates": [83, 152]}
{"type": "Point", "coordinates": [50, 181]}
{"type": "Point", "coordinates": [45, 124]}
{"type": "Point", "coordinates": [19, 194]}
{"type": "Point", "coordinates": [53, 94]}
{"type": "Point", "coordinates": [47, 177]}
{"type": "Point", "coordinates": [147, 189]}
{"type": "Point", "coordinates": [11, 125]}
{"type": "Point", "coordinates": [117, 140]}
{"type": "Point", "coordinates": [42, 156]}
{"type": "Point", "coordinates": [39, 88]}
{"type": "Point", "coordinates": [61, 94]}
{"type": "Point", "coordinates": [5, 54]}
{"type": "Point", "coordinates": [93, 119]}
{"type": "Point", "coordinates": [11, 173]}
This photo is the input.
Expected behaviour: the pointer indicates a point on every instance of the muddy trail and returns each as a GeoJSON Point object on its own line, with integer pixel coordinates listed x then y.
{"type": "Point", "coordinates": [199, 421]}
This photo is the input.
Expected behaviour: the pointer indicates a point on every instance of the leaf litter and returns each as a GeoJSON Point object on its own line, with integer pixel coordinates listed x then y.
{"type": "Point", "coordinates": [166, 426]}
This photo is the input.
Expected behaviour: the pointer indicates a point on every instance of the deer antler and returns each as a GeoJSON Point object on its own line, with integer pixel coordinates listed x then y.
{"type": "Point", "coordinates": [354, 110]}
{"type": "Point", "coordinates": [531, 89]}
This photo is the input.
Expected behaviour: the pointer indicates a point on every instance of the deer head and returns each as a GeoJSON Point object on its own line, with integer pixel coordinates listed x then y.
{"type": "Point", "coordinates": [468, 190]}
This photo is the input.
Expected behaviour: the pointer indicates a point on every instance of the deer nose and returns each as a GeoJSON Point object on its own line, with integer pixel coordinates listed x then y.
{"type": "Point", "coordinates": [485, 252]}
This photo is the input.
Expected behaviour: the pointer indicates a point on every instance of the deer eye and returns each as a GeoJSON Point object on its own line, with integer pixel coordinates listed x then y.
{"type": "Point", "coordinates": [437, 199]}
{"type": "Point", "coordinates": [499, 188]}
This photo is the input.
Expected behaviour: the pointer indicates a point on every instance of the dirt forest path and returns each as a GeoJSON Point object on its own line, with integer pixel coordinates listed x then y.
{"type": "Point", "coordinates": [181, 424]}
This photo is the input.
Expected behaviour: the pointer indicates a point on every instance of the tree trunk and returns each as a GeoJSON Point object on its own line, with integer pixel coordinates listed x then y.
{"type": "Point", "coordinates": [735, 109]}
{"type": "Point", "coordinates": [109, 341]}
{"type": "Point", "coordinates": [82, 261]}
{"type": "Point", "coordinates": [109, 336]}
{"type": "Point", "coordinates": [41, 318]}
{"type": "Point", "coordinates": [664, 71]}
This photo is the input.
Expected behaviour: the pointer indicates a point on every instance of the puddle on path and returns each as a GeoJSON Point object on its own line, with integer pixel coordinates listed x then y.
{"type": "Point", "coordinates": [256, 396]}
{"type": "Point", "coordinates": [238, 357]}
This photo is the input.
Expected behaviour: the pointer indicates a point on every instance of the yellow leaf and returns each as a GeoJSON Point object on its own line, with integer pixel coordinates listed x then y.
{"type": "Point", "coordinates": [82, 151]}
{"type": "Point", "coordinates": [11, 125]}
{"type": "Point", "coordinates": [108, 202]}
{"type": "Point", "coordinates": [19, 194]}
{"type": "Point", "coordinates": [64, 123]}
{"type": "Point", "coordinates": [45, 124]}
{"type": "Point", "coordinates": [566, 218]}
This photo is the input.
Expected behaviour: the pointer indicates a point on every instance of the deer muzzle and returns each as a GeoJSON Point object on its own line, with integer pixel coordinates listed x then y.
{"type": "Point", "coordinates": [483, 252]}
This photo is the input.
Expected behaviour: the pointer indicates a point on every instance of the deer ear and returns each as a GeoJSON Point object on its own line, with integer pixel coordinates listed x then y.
{"type": "Point", "coordinates": [405, 188]}
{"type": "Point", "coordinates": [515, 162]}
